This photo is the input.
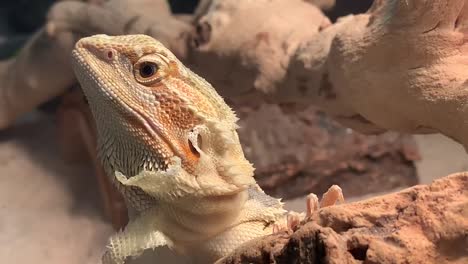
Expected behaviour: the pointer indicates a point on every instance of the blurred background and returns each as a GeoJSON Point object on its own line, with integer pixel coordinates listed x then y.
{"type": "Point", "coordinates": [56, 206]}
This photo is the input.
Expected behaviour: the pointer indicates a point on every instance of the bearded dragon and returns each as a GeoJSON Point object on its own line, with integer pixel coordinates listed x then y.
{"type": "Point", "coordinates": [169, 142]}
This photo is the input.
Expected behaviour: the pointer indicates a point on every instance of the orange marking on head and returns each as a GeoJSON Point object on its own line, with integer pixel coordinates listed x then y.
{"type": "Point", "coordinates": [173, 69]}
{"type": "Point", "coordinates": [177, 119]}
{"type": "Point", "coordinates": [191, 158]}
{"type": "Point", "coordinates": [148, 50]}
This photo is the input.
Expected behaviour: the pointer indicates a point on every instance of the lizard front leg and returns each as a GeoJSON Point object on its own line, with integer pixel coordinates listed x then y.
{"type": "Point", "coordinates": [139, 235]}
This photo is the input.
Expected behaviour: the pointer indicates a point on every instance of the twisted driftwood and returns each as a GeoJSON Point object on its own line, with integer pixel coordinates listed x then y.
{"type": "Point", "coordinates": [400, 66]}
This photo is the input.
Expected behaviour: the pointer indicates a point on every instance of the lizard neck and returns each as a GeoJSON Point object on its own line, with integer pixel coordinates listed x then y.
{"type": "Point", "coordinates": [197, 219]}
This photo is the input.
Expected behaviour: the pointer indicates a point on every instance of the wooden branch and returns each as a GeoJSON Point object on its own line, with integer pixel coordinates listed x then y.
{"type": "Point", "coordinates": [400, 67]}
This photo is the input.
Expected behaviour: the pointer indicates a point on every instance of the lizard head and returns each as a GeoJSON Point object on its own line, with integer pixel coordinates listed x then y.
{"type": "Point", "coordinates": [156, 119]}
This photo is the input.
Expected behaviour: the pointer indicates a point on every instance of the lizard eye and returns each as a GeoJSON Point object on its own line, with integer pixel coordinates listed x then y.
{"type": "Point", "coordinates": [148, 69]}
{"type": "Point", "coordinates": [147, 72]}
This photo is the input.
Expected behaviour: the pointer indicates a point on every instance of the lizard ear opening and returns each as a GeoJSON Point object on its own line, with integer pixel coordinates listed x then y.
{"type": "Point", "coordinates": [195, 141]}
{"type": "Point", "coordinates": [195, 147]}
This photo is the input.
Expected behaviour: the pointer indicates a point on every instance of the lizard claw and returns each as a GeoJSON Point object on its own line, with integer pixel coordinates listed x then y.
{"type": "Point", "coordinates": [276, 229]}
{"type": "Point", "coordinates": [332, 196]}
{"type": "Point", "coordinates": [312, 204]}
{"type": "Point", "coordinates": [329, 198]}
{"type": "Point", "coordinates": [293, 219]}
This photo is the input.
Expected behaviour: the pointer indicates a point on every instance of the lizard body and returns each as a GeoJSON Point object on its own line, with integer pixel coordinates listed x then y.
{"type": "Point", "coordinates": [169, 142]}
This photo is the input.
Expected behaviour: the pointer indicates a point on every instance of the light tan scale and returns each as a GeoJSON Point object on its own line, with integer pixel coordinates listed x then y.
{"type": "Point", "coordinates": [169, 142]}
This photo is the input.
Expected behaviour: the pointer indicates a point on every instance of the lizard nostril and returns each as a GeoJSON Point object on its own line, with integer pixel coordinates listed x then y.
{"type": "Point", "coordinates": [110, 54]}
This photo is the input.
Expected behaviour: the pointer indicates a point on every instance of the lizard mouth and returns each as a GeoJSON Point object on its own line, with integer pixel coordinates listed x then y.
{"type": "Point", "coordinates": [153, 129]}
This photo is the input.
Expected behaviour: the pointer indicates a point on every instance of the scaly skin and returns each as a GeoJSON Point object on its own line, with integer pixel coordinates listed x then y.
{"type": "Point", "coordinates": [169, 142]}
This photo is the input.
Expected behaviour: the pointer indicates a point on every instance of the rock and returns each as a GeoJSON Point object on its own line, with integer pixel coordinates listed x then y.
{"type": "Point", "coordinates": [299, 151]}
{"type": "Point", "coordinates": [422, 224]}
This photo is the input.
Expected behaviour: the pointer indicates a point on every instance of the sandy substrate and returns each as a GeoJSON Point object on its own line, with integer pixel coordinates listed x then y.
{"type": "Point", "coordinates": [50, 210]}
